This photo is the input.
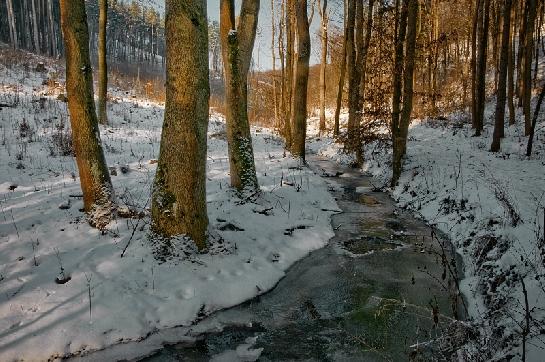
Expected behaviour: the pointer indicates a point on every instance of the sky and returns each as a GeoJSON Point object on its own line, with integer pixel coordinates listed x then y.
{"type": "Point", "coordinates": [262, 50]}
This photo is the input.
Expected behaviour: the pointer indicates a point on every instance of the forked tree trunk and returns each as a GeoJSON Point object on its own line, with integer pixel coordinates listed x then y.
{"type": "Point", "coordinates": [102, 64]}
{"type": "Point", "coordinates": [237, 46]}
{"type": "Point", "coordinates": [299, 107]}
{"type": "Point", "coordinates": [179, 190]}
{"type": "Point", "coordinates": [502, 79]}
{"type": "Point", "coordinates": [94, 176]}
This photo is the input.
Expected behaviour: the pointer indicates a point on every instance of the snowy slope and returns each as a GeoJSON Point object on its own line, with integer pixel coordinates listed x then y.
{"type": "Point", "coordinates": [108, 299]}
{"type": "Point", "coordinates": [492, 207]}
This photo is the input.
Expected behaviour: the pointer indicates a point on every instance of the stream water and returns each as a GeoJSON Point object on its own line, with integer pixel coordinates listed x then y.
{"type": "Point", "coordinates": [381, 290]}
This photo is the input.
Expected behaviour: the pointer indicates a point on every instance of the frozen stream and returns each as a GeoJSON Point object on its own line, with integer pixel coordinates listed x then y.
{"type": "Point", "coordinates": [369, 295]}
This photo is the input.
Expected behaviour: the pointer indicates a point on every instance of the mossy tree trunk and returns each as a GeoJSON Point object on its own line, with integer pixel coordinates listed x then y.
{"type": "Point", "coordinates": [94, 177]}
{"type": "Point", "coordinates": [237, 46]}
{"type": "Point", "coordinates": [179, 190]}
{"type": "Point", "coordinates": [102, 64]}
{"type": "Point", "coordinates": [299, 106]}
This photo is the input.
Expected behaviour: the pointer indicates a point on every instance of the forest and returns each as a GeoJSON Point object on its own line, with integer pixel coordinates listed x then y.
{"type": "Point", "coordinates": [272, 180]}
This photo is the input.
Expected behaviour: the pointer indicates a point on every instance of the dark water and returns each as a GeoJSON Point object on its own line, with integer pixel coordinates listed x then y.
{"type": "Point", "coordinates": [380, 291]}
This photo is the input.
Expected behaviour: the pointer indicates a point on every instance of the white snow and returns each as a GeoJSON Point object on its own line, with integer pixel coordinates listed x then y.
{"type": "Point", "coordinates": [137, 296]}
{"type": "Point", "coordinates": [451, 180]}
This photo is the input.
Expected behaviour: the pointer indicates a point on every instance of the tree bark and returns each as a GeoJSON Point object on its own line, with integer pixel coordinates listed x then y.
{"type": "Point", "coordinates": [179, 190]}
{"type": "Point", "coordinates": [35, 29]}
{"type": "Point", "coordinates": [527, 66]}
{"type": "Point", "coordinates": [12, 25]}
{"type": "Point", "coordinates": [102, 64]}
{"type": "Point", "coordinates": [481, 69]}
{"type": "Point", "coordinates": [323, 64]}
{"type": "Point", "coordinates": [502, 79]}
{"type": "Point", "coordinates": [400, 143]}
{"type": "Point", "coordinates": [340, 88]}
{"type": "Point", "coordinates": [511, 67]}
{"type": "Point", "coordinates": [94, 176]}
{"type": "Point", "coordinates": [534, 122]}
{"type": "Point", "coordinates": [237, 46]}
{"type": "Point", "coordinates": [299, 107]}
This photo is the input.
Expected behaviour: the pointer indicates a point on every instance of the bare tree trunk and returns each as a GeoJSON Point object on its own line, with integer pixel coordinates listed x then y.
{"type": "Point", "coordinates": [237, 46]}
{"type": "Point", "coordinates": [323, 64]}
{"type": "Point", "coordinates": [273, 53]}
{"type": "Point", "coordinates": [299, 107]}
{"type": "Point", "coordinates": [342, 73]}
{"type": "Point", "coordinates": [511, 67]}
{"type": "Point", "coordinates": [527, 66]}
{"type": "Point", "coordinates": [102, 64]}
{"type": "Point", "coordinates": [94, 176]}
{"type": "Point", "coordinates": [290, 50]}
{"type": "Point", "coordinates": [502, 79]}
{"type": "Point", "coordinates": [475, 28]}
{"type": "Point", "coordinates": [534, 122]}
{"type": "Point", "coordinates": [35, 31]}
{"type": "Point", "coordinates": [400, 32]}
{"type": "Point", "coordinates": [179, 190]}
{"type": "Point", "coordinates": [12, 25]}
{"type": "Point", "coordinates": [400, 142]}
{"type": "Point", "coordinates": [53, 35]}
{"type": "Point", "coordinates": [481, 69]}
{"type": "Point", "coordinates": [352, 68]}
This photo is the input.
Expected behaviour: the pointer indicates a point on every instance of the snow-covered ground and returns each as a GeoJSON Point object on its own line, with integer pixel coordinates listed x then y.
{"type": "Point", "coordinates": [110, 299]}
{"type": "Point", "coordinates": [492, 207]}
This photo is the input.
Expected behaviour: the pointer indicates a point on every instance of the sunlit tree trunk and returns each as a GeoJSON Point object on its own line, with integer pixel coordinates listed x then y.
{"type": "Point", "coordinates": [237, 46]}
{"type": "Point", "coordinates": [102, 64]}
{"type": "Point", "coordinates": [342, 73]}
{"type": "Point", "coordinates": [179, 190]}
{"type": "Point", "coordinates": [323, 64]}
{"type": "Point", "coordinates": [94, 177]}
{"type": "Point", "coordinates": [299, 107]}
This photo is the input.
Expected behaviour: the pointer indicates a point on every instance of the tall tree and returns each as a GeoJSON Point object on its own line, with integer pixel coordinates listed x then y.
{"type": "Point", "coordinates": [323, 64]}
{"type": "Point", "coordinates": [102, 64]}
{"type": "Point", "coordinates": [401, 133]}
{"type": "Point", "coordinates": [179, 190]}
{"type": "Point", "coordinates": [12, 25]}
{"type": "Point", "coordinates": [502, 78]}
{"type": "Point", "coordinates": [342, 71]}
{"type": "Point", "coordinates": [300, 82]}
{"type": "Point", "coordinates": [237, 46]}
{"type": "Point", "coordinates": [480, 84]}
{"type": "Point", "coordinates": [94, 177]}
{"type": "Point", "coordinates": [527, 64]}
